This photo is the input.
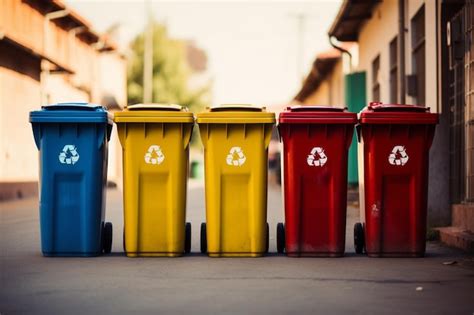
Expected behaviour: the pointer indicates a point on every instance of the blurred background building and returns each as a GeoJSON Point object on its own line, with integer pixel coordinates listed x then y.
{"type": "Point", "coordinates": [324, 84]}
{"type": "Point", "coordinates": [50, 54]}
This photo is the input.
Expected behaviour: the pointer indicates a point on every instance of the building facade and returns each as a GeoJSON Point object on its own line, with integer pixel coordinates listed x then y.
{"type": "Point", "coordinates": [49, 54]}
{"type": "Point", "coordinates": [421, 52]}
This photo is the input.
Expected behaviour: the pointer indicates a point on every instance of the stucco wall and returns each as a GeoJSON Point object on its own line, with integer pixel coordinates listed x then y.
{"type": "Point", "coordinates": [374, 39]}
{"type": "Point", "coordinates": [431, 65]}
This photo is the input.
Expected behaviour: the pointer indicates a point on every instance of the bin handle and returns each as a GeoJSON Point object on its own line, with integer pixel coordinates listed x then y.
{"type": "Point", "coordinates": [237, 107]}
{"type": "Point", "coordinates": [72, 106]}
{"type": "Point", "coordinates": [379, 107]}
{"type": "Point", "coordinates": [169, 107]}
{"type": "Point", "coordinates": [314, 108]}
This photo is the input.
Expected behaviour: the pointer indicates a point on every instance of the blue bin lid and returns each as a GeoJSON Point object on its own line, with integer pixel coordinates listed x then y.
{"type": "Point", "coordinates": [71, 112]}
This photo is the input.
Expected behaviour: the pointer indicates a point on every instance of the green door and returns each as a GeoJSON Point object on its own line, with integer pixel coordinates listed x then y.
{"type": "Point", "coordinates": [355, 98]}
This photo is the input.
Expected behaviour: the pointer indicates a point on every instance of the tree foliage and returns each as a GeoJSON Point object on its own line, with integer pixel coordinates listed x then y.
{"type": "Point", "coordinates": [171, 72]}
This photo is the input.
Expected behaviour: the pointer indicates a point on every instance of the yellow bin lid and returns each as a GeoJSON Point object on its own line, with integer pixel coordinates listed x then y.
{"type": "Point", "coordinates": [154, 113]}
{"type": "Point", "coordinates": [236, 114]}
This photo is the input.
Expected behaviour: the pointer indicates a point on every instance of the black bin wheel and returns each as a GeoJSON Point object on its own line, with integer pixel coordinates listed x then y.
{"type": "Point", "coordinates": [267, 244]}
{"type": "Point", "coordinates": [280, 238]}
{"type": "Point", "coordinates": [107, 238]}
{"type": "Point", "coordinates": [203, 238]}
{"type": "Point", "coordinates": [187, 238]}
{"type": "Point", "coordinates": [359, 241]}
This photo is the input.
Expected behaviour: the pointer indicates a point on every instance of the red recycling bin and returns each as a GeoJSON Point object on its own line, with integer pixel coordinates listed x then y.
{"type": "Point", "coordinates": [316, 140]}
{"type": "Point", "coordinates": [395, 140]}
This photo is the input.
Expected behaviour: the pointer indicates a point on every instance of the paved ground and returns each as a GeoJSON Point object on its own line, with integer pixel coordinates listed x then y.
{"type": "Point", "coordinates": [197, 284]}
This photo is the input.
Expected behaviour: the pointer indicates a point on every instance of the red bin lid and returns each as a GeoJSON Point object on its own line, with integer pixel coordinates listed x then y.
{"type": "Point", "coordinates": [316, 115]}
{"type": "Point", "coordinates": [379, 113]}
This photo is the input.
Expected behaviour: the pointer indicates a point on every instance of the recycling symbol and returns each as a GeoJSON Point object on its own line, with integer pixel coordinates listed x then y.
{"type": "Point", "coordinates": [154, 155]}
{"type": "Point", "coordinates": [317, 157]}
{"type": "Point", "coordinates": [236, 157]}
{"type": "Point", "coordinates": [69, 154]}
{"type": "Point", "coordinates": [398, 156]}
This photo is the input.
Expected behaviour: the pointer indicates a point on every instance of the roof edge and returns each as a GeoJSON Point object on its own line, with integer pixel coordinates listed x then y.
{"type": "Point", "coordinates": [344, 16]}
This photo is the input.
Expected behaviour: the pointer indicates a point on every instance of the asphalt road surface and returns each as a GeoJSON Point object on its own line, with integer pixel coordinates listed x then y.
{"type": "Point", "coordinates": [440, 283]}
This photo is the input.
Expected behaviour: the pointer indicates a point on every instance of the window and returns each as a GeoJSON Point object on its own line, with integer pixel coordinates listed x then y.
{"type": "Point", "coordinates": [394, 70]}
{"type": "Point", "coordinates": [418, 53]}
{"type": "Point", "coordinates": [375, 79]}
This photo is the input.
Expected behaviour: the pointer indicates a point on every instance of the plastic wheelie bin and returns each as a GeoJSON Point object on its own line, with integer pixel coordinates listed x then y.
{"type": "Point", "coordinates": [155, 144]}
{"type": "Point", "coordinates": [395, 142]}
{"type": "Point", "coordinates": [316, 141]}
{"type": "Point", "coordinates": [235, 139]}
{"type": "Point", "coordinates": [73, 142]}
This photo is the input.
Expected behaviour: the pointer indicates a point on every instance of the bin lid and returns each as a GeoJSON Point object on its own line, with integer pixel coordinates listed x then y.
{"type": "Point", "coordinates": [379, 113]}
{"type": "Point", "coordinates": [71, 112]}
{"type": "Point", "coordinates": [236, 114]}
{"type": "Point", "coordinates": [317, 115]}
{"type": "Point", "coordinates": [154, 113]}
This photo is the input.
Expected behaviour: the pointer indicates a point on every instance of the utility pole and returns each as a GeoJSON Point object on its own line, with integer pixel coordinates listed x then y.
{"type": "Point", "coordinates": [148, 57]}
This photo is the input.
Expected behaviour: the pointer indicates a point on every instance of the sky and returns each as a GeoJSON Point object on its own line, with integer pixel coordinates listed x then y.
{"type": "Point", "coordinates": [253, 47]}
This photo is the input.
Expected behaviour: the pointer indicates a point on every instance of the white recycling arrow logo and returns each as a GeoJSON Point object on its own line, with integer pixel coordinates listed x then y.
{"type": "Point", "coordinates": [69, 155]}
{"type": "Point", "coordinates": [236, 157]}
{"type": "Point", "coordinates": [398, 156]}
{"type": "Point", "coordinates": [154, 155]}
{"type": "Point", "coordinates": [317, 157]}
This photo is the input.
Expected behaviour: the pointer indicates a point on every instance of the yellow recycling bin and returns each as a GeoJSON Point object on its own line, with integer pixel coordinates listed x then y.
{"type": "Point", "coordinates": [155, 145]}
{"type": "Point", "coordinates": [235, 139]}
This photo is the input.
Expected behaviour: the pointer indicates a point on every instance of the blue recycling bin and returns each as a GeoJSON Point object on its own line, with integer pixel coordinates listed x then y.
{"type": "Point", "coordinates": [73, 142]}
